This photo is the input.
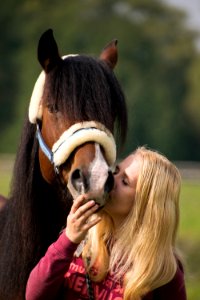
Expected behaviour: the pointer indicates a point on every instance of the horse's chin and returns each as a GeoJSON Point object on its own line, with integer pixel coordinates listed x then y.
{"type": "Point", "coordinates": [99, 199]}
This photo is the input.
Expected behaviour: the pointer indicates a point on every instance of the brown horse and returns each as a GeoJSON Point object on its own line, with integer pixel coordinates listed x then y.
{"type": "Point", "coordinates": [67, 148]}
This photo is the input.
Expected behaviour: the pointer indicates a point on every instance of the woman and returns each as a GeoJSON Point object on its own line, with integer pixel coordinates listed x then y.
{"type": "Point", "coordinates": [129, 252]}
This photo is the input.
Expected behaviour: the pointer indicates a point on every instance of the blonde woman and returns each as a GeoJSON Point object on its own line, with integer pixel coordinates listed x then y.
{"type": "Point", "coordinates": [129, 252]}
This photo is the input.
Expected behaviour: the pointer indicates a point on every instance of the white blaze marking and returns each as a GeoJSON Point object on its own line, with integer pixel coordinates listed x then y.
{"type": "Point", "coordinates": [98, 171]}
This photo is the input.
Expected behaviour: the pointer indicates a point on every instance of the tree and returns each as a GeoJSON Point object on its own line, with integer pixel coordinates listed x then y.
{"type": "Point", "coordinates": [156, 51]}
{"type": "Point", "coordinates": [9, 46]}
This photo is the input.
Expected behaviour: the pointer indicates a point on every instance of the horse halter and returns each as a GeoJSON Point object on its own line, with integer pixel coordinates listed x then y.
{"type": "Point", "coordinates": [74, 136]}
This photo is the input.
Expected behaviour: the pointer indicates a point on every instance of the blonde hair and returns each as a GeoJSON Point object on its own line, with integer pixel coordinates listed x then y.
{"type": "Point", "coordinates": [142, 250]}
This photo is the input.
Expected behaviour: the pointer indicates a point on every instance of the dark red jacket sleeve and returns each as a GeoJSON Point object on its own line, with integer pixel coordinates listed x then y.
{"type": "Point", "coordinates": [175, 289]}
{"type": "Point", "coordinates": [46, 279]}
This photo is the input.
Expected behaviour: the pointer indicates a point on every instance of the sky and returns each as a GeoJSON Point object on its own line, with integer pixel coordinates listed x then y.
{"type": "Point", "coordinates": [192, 8]}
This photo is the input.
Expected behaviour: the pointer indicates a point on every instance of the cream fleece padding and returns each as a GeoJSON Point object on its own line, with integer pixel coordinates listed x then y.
{"type": "Point", "coordinates": [35, 106]}
{"type": "Point", "coordinates": [90, 131]}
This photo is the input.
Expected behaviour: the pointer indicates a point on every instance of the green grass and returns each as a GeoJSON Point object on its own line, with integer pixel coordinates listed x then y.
{"type": "Point", "coordinates": [4, 183]}
{"type": "Point", "coordinates": [6, 167]}
{"type": "Point", "coordinates": [189, 236]}
{"type": "Point", "coordinates": [189, 230]}
{"type": "Point", "coordinates": [190, 208]}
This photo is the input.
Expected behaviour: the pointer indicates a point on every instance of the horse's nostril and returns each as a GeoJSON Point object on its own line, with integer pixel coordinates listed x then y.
{"type": "Point", "coordinates": [109, 182]}
{"type": "Point", "coordinates": [79, 181]}
{"type": "Point", "coordinates": [76, 175]}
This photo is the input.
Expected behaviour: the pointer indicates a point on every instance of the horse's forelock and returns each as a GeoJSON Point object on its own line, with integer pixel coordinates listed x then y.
{"type": "Point", "coordinates": [84, 88]}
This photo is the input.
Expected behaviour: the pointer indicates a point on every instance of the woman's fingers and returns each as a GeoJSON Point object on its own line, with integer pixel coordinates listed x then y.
{"type": "Point", "coordinates": [81, 218]}
{"type": "Point", "coordinates": [79, 208]}
{"type": "Point", "coordinates": [85, 209]}
{"type": "Point", "coordinates": [91, 223]}
{"type": "Point", "coordinates": [77, 203]}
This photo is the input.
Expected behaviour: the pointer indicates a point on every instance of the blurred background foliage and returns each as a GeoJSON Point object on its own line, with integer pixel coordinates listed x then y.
{"type": "Point", "coordinates": [158, 68]}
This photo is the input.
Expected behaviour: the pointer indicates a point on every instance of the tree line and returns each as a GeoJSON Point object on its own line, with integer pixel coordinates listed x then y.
{"type": "Point", "coordinates": [158, 65]}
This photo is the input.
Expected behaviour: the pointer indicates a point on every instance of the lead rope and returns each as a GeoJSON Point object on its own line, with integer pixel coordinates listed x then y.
{"type": "Point", "coordinates": [88, 280]}
{"type": "Point", "coordinates": [89, 283]}
{"type": "Point", "coordinates": [79, 251]}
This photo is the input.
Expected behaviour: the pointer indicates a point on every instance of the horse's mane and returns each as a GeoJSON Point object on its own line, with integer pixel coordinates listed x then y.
{"type": "Point", "coordinates": [32, 218]}
{"type": "Point", "coordinates": [88, 90]}
{"type": "Point", "coordinates": [36, 211]}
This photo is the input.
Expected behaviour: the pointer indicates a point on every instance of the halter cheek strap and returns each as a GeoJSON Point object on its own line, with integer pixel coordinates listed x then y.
{"type": "Point", "coordinates": [45, 149]}
{"type": "Point", "coordinates": [75, 136]}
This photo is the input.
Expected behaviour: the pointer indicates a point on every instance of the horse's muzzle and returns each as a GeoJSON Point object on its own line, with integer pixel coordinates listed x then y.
{"type": "Point", "coordinates": [79, 183]}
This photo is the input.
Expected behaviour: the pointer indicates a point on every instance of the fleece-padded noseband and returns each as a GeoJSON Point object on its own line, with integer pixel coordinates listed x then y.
{"type": "Point", "coordinates": [75, 136]}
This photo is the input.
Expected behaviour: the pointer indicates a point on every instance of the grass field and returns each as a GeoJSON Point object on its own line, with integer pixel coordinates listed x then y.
{"type": "Point", "coordinates": [189, 230]}
{"type": "Point", "coordinates": [189, 236]}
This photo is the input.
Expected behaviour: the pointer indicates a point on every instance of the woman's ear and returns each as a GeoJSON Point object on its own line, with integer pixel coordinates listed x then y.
{"type": "Point", "coordinates": [110, 54]}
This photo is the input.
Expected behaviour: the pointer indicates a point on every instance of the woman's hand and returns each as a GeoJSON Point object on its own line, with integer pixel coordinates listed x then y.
{"type": "Point", "coordinates": [78, 222]}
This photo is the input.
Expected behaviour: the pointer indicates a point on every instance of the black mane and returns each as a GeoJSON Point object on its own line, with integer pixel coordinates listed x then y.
{"type": "Point", "coordinates": [83, 88]}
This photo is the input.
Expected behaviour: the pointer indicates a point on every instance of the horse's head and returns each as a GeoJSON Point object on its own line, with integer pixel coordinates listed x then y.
{"type": "Point", "coordinates": [74, 105]}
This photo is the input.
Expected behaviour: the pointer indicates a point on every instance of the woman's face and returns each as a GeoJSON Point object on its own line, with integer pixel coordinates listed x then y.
{"type": "Point", "coordinates": [123, 193]}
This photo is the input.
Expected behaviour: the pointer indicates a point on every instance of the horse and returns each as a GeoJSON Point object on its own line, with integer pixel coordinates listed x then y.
{"type": "Point", "coordinates": [77, 110]}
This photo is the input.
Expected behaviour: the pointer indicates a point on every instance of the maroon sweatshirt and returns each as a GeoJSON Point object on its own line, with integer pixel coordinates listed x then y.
{"type": "Point", "coordinates": [61, 276]}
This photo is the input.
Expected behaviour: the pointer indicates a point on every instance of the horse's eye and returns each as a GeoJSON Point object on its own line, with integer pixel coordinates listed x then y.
{"type": "Point", "coordinates": [52, 108]}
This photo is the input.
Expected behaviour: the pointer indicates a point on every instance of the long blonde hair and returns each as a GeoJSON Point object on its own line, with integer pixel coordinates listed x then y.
{"type": "Point", "coordinates": [142, 250]}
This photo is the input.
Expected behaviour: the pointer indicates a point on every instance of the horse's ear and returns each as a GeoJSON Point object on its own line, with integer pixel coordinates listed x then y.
{"type": "Point", "coordinates": [48, 54]}
{"type": "Point", "coordinates": [110, 54]}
